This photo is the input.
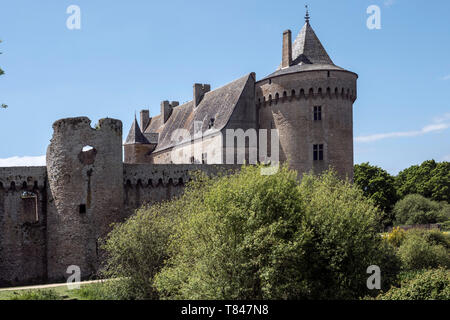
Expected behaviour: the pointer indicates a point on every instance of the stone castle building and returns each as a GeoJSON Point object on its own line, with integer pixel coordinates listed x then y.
{"type": "Point", "coordinates": [52, 217]}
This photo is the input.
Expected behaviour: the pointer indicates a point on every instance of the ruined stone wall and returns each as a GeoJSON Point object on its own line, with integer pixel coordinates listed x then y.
{"type": "Point", "coordinates": [86, 192]}
{"type": "Point", "coordinates": [23, 205]}
{"type": "Point", "coordinates": [287, 103]}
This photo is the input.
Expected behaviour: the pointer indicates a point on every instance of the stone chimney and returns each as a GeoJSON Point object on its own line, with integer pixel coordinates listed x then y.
{"type": "Point", "coordinates": [199, 92]}
{"type": "Point", "coordinates": [166, 110]}
{"type": "Point", "coordinates": [145, 119]}
{"type": "Point", "coordinates": [287, 49]}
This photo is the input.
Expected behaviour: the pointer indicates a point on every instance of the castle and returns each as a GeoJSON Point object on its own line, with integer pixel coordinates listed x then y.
{"type": "Point", "coordinates": [52, 217]}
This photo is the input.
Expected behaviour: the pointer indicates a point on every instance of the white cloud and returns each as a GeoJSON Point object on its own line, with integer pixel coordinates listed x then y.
{"type": "Point", "coordinates": [389, 3]}
{"type": "Point", "coordinates": [23, 162]}
{"type": "Point", "coordinates": [447, 77]}
{"type": "Point", "coordinates": [446, 158]}
{"type": "Point", "coordinates": [439, 124]}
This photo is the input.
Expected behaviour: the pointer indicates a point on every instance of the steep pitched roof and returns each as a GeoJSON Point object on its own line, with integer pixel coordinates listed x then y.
{"type": "Point", "coordinates": [135, 135]}
{"type": "Point", "coordinates": [214, 112]}
{"type": "Point", "coordinates": [308, 49]}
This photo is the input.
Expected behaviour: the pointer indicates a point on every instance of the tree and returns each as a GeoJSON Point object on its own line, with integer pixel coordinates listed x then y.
{"type": "Point", "coordinates": [3, 106]}
{"type": "Point", "coordinates": [378, 185]}
{"type": "Point", "coordinates": [430, 179]}
{"type": "Point", "coordinates": [250, 236]}
{"type": "Point", "coordinates": [416, 209]}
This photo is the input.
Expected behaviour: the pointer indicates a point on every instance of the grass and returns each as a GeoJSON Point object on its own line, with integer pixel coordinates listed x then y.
{"type": "Point", "coordinates": [91, 291]}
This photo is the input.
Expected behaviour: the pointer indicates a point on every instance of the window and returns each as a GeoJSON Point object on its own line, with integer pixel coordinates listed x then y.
{"type": "Point", "coordinates": [204, 158]}
{"type": "Point", "coordinates": [318, 113]}
{"type": "Point", "coordinates": [82, 208]}
{"type": "Point", "coordinates": [318, 152]}
{"type": "Point", "coordinates": [192, 160]}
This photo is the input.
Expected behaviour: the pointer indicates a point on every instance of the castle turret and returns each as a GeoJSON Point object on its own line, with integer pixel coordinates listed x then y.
{"type": "Point", "coordinates": [310, 101]}
{"type": "Point", "coordinates": [85, 174]}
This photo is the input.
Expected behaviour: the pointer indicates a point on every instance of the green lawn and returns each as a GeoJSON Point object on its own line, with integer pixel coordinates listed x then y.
{"type": "Point", "coordinates": [86, 292]}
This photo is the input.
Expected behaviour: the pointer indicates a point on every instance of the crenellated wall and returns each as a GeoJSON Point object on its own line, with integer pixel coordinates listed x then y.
{"type": "Point", "coordinates": [146, 183]}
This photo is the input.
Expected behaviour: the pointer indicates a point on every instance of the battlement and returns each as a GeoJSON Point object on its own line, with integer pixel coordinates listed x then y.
{"type": "Point", "coordinates": [310, 85]}
{"type": "Point", "coordinates": [152, 175]}
{"type": "Point", "coordinates": [23, 178]}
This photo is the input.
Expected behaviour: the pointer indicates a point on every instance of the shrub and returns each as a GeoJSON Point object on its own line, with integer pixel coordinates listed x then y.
{"type": "Point", "coordinates": [422, 285]}
{"type": "Point", "coordinates": [136, 250]}
{"type": "Point", "coordinates": [396, 237]}
{"type": "Point", "coordinates": [416, 209]}
{"type": "Point", "coordinates": [423, 249]}
{"type": "Point", "coordinates": [250, 236]}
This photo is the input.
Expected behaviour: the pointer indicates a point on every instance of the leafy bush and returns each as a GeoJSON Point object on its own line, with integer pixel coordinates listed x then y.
{"type": "Point", "coordinates": [422, 285]}
{"type": "Point", "coordinates": [416, 209]}
{"type": "Point", "coordinates": [36, 295]}
{"type": "Point", "coordinates": [423, 250]}
{"type": "Point", "coordinates": [249, 236]}
{"type": "Point", "coordinates": [136, 250]}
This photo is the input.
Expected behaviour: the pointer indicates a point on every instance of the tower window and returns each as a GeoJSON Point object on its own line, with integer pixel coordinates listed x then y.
{"type": "Point", "coordinates": [82, 208]}
{"type": "Point", "coordinates": [318, 152]}
{"type": "Point", "coordinates": [192, 160]}
{"type": "Point", "coordinates": [317, 113]}
{"type": "Point", "coordinates": [204, 158]}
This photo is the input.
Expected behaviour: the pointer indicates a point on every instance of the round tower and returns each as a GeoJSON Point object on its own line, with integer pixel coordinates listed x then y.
{"type": "Point", "coordinates": [310, 101]}
{"type": "Point", "coordinates": [85, 175]}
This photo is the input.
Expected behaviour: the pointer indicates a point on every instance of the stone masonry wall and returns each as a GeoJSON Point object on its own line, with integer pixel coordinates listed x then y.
{"type": "Point", "coordinates": [22, 225]}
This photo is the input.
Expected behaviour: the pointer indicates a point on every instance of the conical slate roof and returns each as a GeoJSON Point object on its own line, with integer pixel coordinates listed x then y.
{"type": "Point", "coordinates": [308, 54]}
{"type": "Point", "coordinates": [135, 135]}
{"type": "Point", "coordinates": [307, 48]}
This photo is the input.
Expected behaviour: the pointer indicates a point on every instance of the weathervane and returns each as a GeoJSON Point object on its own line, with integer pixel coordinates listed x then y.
{"type": "Point", "coordinates": [307, 14]}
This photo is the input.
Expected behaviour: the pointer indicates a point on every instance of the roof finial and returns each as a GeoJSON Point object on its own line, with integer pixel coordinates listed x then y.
{"type": "Point", "coordinates": [307, 14]}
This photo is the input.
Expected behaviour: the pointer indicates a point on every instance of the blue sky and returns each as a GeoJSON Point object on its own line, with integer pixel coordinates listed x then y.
{"type": "Point", "coordinates": [133, 54]}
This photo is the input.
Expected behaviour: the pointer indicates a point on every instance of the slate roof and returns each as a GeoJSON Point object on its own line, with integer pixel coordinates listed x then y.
{"type": "Point", "coordinates": [308, 54]}
{"type": "Point", "coordinates": [217, 105]}
{"type": "Point", "coordinates": [135, 135]}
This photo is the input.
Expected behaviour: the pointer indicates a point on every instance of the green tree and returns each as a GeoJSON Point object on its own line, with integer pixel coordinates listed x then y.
{"type": "Point", "coordinates": [416, 209]}
{"type": "Point", "coordinates": [430, 179]}
{"type": "Point", "coordinates": [3, 106]}
{"type": "Point", "coordinates": [250, 236]}
{"type": "Point", "coordinates": [378, 185]}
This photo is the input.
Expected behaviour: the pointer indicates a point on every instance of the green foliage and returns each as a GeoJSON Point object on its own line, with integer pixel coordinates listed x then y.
{"type": "Point", "coordinates": [424, 249]}
{"type": "Point", "coordinates": [422, 285]}
{"type": "Point", "coordinates": [378, 185]}
{"type": "Point", "coordinates": [36, 295]}
{"type": "Point", "coordinates": [136, 250]}
{"type": "Point", "coordinates": [430, 179]}
{"type": "Point", "coordinates": [249, 236]}
{"type": "Point", "coordinates": [416, 209]}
